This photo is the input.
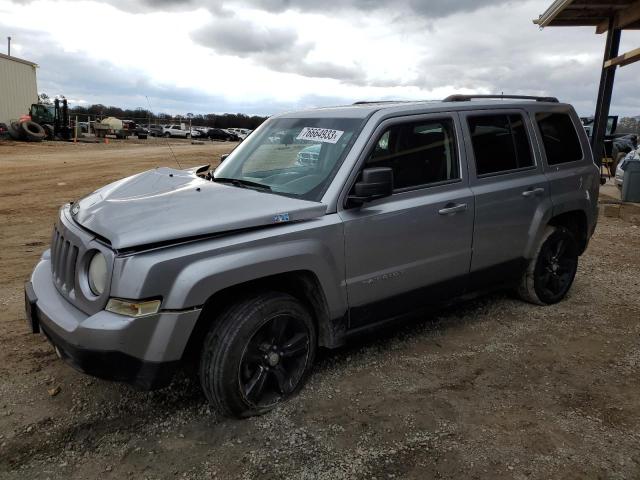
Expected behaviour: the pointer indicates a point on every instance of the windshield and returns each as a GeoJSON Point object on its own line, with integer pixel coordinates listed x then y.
{"type": "Point", "coordinates": [292, 156]}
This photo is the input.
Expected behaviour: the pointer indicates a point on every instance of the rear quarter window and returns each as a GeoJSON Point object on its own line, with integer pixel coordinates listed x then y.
{"type": "Point", "coordinates": [560, 139]}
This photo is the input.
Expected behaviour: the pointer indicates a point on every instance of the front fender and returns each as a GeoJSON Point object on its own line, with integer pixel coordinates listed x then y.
{"type": "Point", "coordinates": [199, 280]}
{"type": "Point", "coordinates": [186, 275]}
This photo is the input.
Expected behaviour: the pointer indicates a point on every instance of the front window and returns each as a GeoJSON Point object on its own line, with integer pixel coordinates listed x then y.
{"type": "Point", "coordinates": [419, 153]}
{"type": "Point", "coordinates": [292, 156]}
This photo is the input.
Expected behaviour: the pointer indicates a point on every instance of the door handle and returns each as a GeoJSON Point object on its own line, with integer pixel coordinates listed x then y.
{"type": "Point", "coordinates": [534, 192]}
{"type": "Point", "coordinates": [451, 209]}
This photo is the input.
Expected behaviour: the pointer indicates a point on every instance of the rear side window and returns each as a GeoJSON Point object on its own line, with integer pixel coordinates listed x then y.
{"type": "Point", "coordinates": [559, 137]}
{"type": "Point", "coordinates": [500, 143]}
{"type": "Point", "coordinates": [419, 153]}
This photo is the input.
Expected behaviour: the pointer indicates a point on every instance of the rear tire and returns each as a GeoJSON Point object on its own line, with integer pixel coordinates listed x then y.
{"type": "Point", "coordinates": [551, 272]}
{"type": "Point", "coordinates": [257, 354]}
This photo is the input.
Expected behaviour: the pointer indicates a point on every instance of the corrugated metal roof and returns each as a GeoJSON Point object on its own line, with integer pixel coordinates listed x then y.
{"type": "Point", "coordinates": [16, 59]}
{"type": "Point", "coordinates": [570, 13]}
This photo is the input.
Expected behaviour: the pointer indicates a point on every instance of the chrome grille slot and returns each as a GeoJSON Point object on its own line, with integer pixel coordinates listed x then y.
{"type": "Point", "coordinates": [71, 265]}
{"type": "Point", "coordinates": [64, 257]}
{"type": "Point", "coordinates": [71, 249]}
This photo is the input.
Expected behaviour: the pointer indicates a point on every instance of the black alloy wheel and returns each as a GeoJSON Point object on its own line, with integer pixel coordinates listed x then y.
{"type": "Point", "coordinates": [556, 266]}
{"type": "Point", "coordinates": [274, 361]}
{"type": "Point", "coordinates": [257, 354]}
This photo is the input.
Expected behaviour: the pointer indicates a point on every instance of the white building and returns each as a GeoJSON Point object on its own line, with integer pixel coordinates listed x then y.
{"type": "Point", "coordinates": [18, 88]}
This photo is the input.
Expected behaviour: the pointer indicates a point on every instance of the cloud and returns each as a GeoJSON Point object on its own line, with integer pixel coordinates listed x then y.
{"type": "Point", "coordinates": [236, 36]}
{"type": "Point", "coordinates": [266, 56]}
{"type": "Point", "coordinates": [278, 48]}
{"type": "Point", "coordinates": [430, 9]}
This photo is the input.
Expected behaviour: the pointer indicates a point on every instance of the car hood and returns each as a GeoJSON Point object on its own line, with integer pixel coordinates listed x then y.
{"type": "Point", "coordinates": [165, 204]}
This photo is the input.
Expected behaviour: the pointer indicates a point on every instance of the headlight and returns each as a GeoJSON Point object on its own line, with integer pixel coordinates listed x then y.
{"type": "Point", "coordinates": [97, 274]}
{"type": "Point", "coordinates": [132, 308]}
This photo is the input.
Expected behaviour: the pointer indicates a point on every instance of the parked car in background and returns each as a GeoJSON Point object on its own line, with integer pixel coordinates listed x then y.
{"type": "Point", "coordinates": [138, 130]}
{"type": "Point", "coordinates": [4, 130]}
{"type": "Point", "coordinates": [155, 130]}
{"type": "Point", "coordinates": [202, 131]}
{"type": "Point", "coordinates": [175, 131]}
{"type": "Point", "coordinates": [197, 133]}
{"type": "Point", "coordinates": [402, 207]}
{"type": "Point", "coordinates": [220, 134]}
{"type": "Point", "coordinates": [242, 133]}
{"type": "Point", "coordinates": [633, 156]}
{"type": "Point", "coordinates": [233, 136]}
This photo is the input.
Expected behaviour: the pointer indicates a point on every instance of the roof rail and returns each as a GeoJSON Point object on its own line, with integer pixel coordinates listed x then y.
{"type": "Point", "coordinates": [466, 98]}
{"type": "Point", "coordinates": [368, 102]}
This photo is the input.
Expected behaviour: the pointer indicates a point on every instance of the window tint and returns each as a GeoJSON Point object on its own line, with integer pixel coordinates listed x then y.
{"type": "Point", "coordinates": [559, 136]}
{"type": "Point", "coordinates": [500, 143]}
{"type": "Point", "coordinates": [419, 153]}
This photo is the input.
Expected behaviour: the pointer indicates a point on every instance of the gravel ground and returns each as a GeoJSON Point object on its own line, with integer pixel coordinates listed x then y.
{"type": "Point", "coordinates": [492, 388]}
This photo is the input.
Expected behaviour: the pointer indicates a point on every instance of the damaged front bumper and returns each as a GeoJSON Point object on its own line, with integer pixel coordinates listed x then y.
{"type": "Point", "coordinates": [142, 351]}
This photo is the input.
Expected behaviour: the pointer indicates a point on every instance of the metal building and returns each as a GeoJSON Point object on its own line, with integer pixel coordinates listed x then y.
{"type": "Point", "coordinates": [18, 88]}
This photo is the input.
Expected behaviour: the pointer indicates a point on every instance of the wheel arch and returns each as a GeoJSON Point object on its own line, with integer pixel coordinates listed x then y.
{"type": "Point", "coordinates": [576, 222]}
{"type": "Point", "coordinates": [304, 285]}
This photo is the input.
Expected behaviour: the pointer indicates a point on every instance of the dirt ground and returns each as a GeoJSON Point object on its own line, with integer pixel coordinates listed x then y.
{"type": "Point", "coordinates": [493, 388]}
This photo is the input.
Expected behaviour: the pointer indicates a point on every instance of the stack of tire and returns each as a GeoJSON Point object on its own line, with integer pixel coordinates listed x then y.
{"type": "Point", "coordinates": [27, 130]}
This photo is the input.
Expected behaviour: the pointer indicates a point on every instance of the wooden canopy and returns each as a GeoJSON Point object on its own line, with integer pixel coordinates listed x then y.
{"type": "Point", "coordinates": [596, 13]}
{"type": "Point", "coordinates": [612, 17]}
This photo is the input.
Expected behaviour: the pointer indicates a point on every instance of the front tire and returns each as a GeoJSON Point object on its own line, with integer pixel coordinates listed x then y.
{"type": "Point", "coordinates": [258, 354]}
{"type": "Point", "coordinates": [551, 272]}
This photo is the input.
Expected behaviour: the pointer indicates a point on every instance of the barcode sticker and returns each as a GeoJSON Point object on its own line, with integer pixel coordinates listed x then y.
{"type": "Point", "coordinates": [325, 135]}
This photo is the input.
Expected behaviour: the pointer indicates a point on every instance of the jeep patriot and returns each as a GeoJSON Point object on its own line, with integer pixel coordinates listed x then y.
{"type": "Point", "coordinates": [244, 271]}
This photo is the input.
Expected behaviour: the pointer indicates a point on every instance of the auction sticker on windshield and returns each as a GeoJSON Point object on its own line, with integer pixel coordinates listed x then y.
{"type": "Point", "coordinates": [325, 135]}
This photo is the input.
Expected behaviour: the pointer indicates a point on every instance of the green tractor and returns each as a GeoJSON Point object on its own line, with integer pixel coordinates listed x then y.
{"type": "Point", "coordinates": [53, 118]}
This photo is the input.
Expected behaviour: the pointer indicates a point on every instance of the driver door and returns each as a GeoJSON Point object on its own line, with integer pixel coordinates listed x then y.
{"type": "Point", "coordinates": [412, 248]}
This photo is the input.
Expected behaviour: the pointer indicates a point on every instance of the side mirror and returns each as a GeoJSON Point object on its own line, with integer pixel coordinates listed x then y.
{"type": "Point", "coordinates": [375, 183]}
{"type": "Point", "coordinates": [223, 157]}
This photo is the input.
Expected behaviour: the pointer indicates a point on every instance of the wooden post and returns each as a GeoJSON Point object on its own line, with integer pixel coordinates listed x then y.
{"type": "Point", "coordinates": [605, 92]}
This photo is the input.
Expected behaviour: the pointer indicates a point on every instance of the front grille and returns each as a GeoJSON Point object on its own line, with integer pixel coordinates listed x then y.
{"type": "Point", "coordinates": [64, 256]}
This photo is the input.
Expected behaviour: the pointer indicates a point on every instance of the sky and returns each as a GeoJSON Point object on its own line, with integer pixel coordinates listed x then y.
{"type": "Point", "coordinates": [269, 56]}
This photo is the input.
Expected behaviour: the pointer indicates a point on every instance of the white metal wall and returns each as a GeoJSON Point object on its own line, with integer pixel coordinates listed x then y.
{"type": "Point", "coordinates": [18, 89]}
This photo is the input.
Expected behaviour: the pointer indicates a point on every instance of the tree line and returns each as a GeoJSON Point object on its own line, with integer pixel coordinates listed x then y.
{"type": "Point", "coordinates": [629, 125]}
{"type": "Point", "coordinates": [144, 116]}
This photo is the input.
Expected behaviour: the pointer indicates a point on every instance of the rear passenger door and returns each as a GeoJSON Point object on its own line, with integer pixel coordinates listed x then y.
{"type": "Point", "coordinates": [572, 175]}
{"type": "Point", "coordinates": [511, 193]}
{"type": "Point", "coordinates": [413, 247]}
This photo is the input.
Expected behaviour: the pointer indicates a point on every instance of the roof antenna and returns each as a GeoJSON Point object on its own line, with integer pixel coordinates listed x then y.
{"type": "Point", "coordinates": [165, 138]}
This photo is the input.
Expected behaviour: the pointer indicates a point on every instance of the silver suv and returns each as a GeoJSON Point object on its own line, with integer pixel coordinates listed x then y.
{"type": "Point", "coordinates": [245, 271]}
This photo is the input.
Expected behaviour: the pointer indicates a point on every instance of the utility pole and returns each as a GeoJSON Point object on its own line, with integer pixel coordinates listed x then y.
{"type": "Point", "coordinates": [8, 46]}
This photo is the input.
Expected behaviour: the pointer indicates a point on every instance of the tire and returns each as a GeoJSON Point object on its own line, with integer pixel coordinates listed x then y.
{"type": "Point", "coordinates": [551, 272]}
{"type": "Point", "coordinates": [167, 135]}
{"type": "Point", "coordinates": [15, 131]}
{"type": "Point", "coordinates": [258, 353]}
{"type": "Point", "coordinates": [49, 130]}
{"type": "Point", "coordinates": [32, 131]}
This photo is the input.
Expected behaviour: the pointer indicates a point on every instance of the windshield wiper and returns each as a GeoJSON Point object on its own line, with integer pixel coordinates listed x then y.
{"type": "Point", "coordinates": [239, 182]}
